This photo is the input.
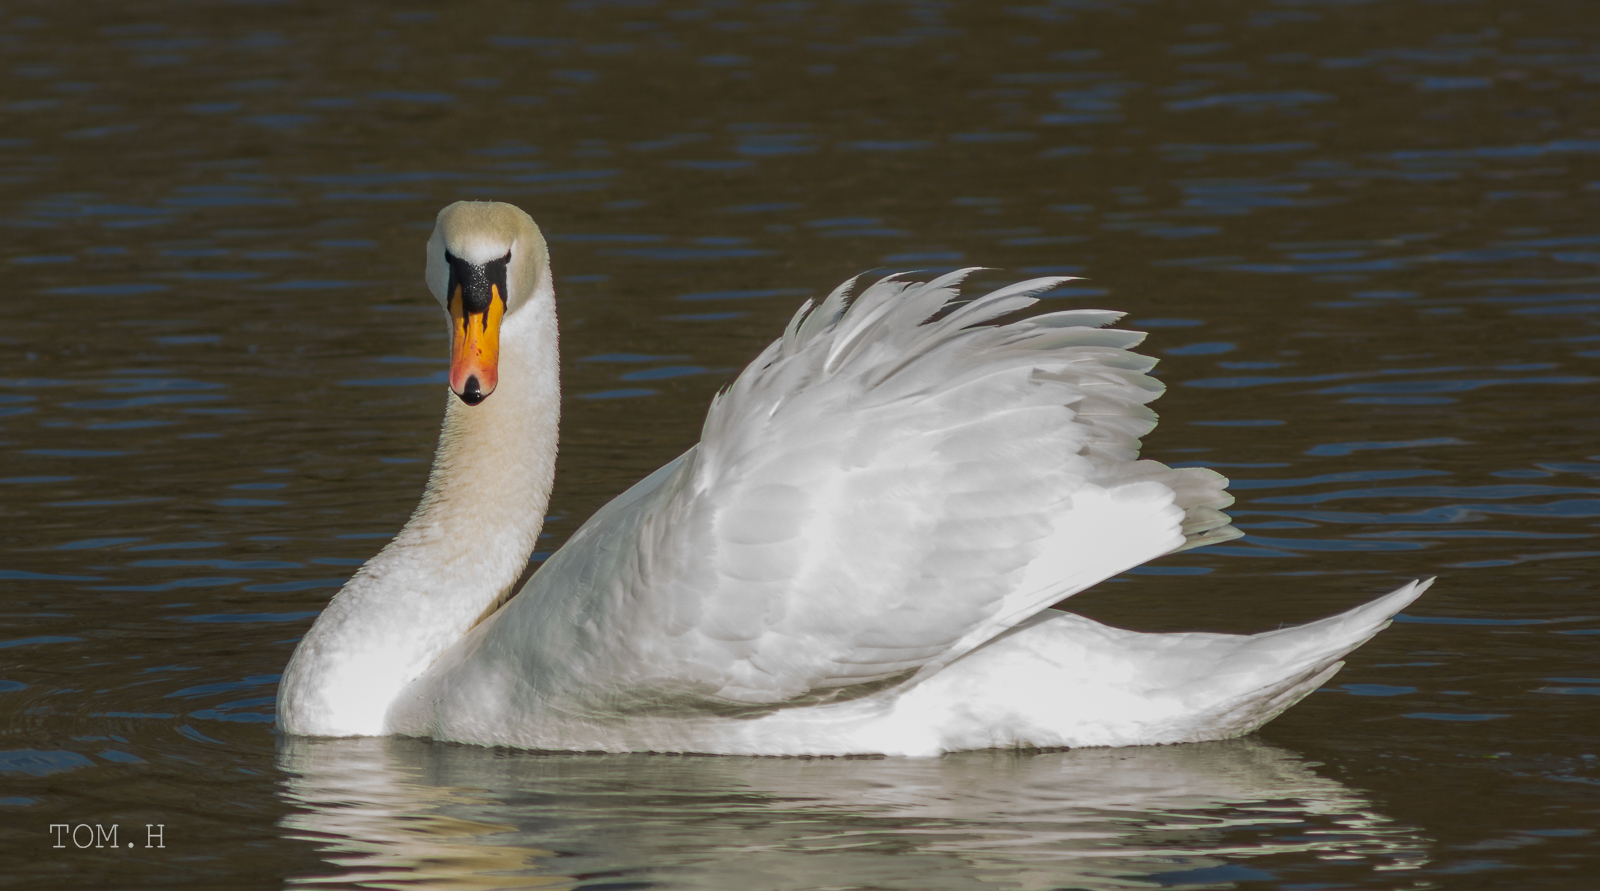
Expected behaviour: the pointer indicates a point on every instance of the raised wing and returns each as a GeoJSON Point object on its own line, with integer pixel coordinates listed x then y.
{"type": "Point", "coordinates": [893, 482]}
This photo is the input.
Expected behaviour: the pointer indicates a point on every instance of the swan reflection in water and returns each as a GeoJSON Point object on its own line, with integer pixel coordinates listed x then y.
{"type": "Point", "coordinates": [405, 813]}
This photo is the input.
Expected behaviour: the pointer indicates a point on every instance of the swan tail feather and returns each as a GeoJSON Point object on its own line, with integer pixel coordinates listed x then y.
{"type": "Point", "coordinates": [1274, 670]}
{"type": "Point", "coordinates": [1061, 679]}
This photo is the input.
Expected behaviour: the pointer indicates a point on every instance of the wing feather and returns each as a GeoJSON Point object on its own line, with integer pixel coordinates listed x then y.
{"type": "Point", "coordinates": [882, 490]}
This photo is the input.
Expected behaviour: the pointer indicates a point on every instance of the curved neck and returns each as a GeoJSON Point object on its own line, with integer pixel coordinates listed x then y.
{"type": "Point", "coordinates": [457, 557]}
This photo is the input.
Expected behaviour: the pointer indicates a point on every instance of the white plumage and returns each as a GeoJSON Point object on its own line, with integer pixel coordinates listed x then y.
{"type": "Point", "coordinates": [858, 556]}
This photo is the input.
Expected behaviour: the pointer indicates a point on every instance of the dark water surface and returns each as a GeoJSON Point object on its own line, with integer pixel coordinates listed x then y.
{"type": "Point", "coordinates": [1364, 237]}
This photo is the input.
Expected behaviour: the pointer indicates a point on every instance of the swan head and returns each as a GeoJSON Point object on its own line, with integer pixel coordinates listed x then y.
{"type": "Point", "coordinates": [486, 260]}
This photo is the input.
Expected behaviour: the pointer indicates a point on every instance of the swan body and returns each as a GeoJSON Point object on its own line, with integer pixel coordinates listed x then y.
{"type": "Point", "coordinates": [859, 556]}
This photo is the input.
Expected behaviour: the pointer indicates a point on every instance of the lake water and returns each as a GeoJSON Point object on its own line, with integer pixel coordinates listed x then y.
{"type": "Point", "coordinates": [1364, 238]}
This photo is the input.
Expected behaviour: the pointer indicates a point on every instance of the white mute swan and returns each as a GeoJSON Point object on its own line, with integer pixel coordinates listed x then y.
{"type": "Point", "coordinates": [858, 557]}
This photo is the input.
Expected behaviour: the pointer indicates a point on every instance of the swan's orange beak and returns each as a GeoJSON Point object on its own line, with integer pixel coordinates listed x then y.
{"type": "Point", "coordinates": [475, 345]}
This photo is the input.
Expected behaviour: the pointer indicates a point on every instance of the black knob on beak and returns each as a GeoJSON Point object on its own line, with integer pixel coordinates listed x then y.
{"type": "Point", "coordinates": [472, 394]}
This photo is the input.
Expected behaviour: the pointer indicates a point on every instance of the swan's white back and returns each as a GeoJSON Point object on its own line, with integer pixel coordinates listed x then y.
{"type": "Point", "coordinates": [859, 556]}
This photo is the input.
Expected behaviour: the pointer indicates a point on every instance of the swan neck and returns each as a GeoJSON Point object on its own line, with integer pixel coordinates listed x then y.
{"type": "Point", "coordinates": [492, 473]}
{"type": "Point", "coordinates": [455, 560]}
